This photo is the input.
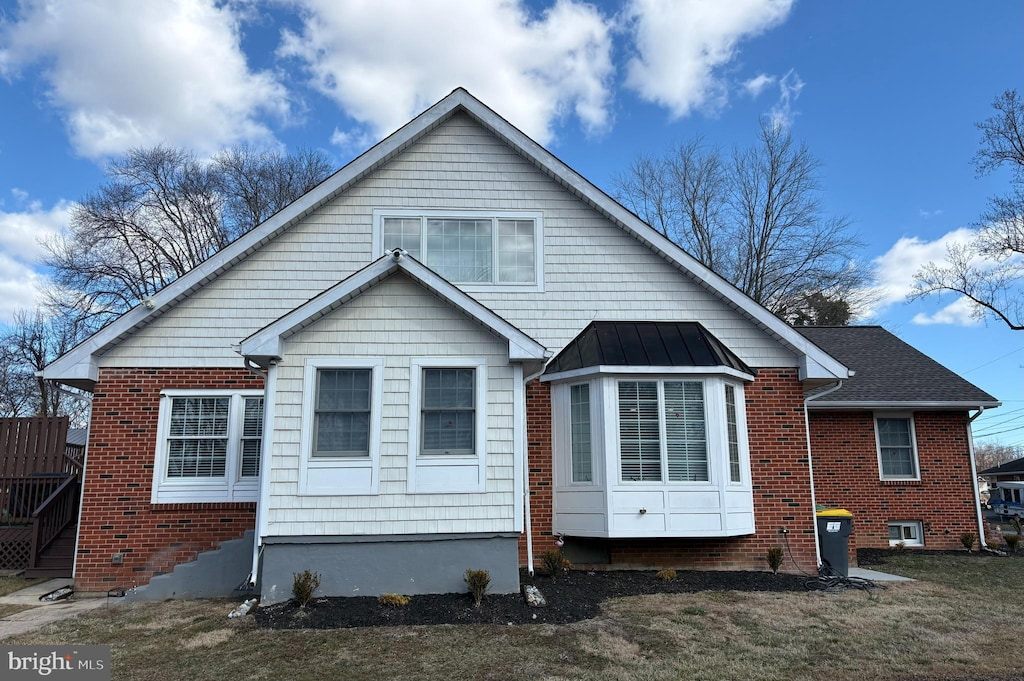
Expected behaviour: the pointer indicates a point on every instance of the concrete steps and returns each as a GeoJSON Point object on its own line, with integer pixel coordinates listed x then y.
{"type": "Point", "coordinates": [213, 574]}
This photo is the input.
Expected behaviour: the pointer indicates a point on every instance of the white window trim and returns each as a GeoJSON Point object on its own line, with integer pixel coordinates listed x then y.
{"type": "Point", "coordinates": [232, 487]}
{"type": "Point", "coordinates": [916, 524]}
{"type": "Point", "coordinates": [308, 463]}
{"type": "Point", "coordinates": [913, 446]}
{"type": "Point", "coordinates": [479, 458]}
{"type": "Point", "coordinates": [742, 430]}
{"type": "Point", "coordinates": [538, 240]}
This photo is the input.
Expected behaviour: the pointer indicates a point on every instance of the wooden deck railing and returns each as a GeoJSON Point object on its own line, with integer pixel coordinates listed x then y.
{"type": "Point", "coordinates": [32, 445]}
{"type": "Point", "coordinates": [58, 511]}
{"type": "Point", "coordinates": [21, 496]}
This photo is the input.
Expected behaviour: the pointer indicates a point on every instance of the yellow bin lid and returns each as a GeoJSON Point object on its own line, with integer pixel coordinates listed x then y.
{"type": "Point", "coordinates": [834, 513]}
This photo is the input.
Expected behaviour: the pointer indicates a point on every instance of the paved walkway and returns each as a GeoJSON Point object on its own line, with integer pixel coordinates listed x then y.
{"type": "Point", "coordinates": [876, 576]}
{"type": "Point", "coordinates": [42, 613]}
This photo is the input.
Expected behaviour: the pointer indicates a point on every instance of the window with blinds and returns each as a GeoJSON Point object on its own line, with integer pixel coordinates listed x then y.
{"type": "Point", "coordinates": [662, 428]}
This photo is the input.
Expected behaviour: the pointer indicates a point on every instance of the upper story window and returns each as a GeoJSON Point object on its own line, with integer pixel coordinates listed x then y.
{"type": "Point", "coordinates": [897, 447]}
{"type": "Point", "coordinates": [468, 248]}
{"type": "Point", "coordinates": [209, 446]}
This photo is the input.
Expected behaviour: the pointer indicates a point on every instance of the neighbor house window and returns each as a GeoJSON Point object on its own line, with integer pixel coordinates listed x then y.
{"type": "Point", "coordinates": [662, 427]}
{"type": "Point", "coordinates": [341, 416]}
{"type": "Point", "coordinates": [906, 533]}
{"type": "Point", "coordinates": [209, 446]}
{"type": "Point", "coordinates": [469, 249]}
{"type": "Point", "coordinates": [580, 438]}
{"type": "Point", "coordinates": [897, 453]}
{"type": "Point", "coordinates": [448, 414]}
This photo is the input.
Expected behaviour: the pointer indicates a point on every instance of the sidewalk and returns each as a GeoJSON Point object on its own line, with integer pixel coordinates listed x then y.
{"type": "Point", "coordinates": [42, 613]}
{"type": "Point", "coordinates": [876, 576]}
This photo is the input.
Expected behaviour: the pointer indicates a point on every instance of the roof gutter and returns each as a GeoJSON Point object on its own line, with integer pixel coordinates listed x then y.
{"type": "Point", "coordinates": [810, 466]}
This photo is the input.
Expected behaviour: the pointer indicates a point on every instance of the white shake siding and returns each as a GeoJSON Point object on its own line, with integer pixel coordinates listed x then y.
{"type": "Point", "coordinates": [592, 269]}
{"type": "Point", "coordinates": [396, 320]}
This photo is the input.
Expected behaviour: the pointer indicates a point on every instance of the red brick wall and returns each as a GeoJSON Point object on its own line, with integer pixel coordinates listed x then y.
{"type": "Point", "coordinates": [780, 475]}
{"type": "Point", "coordinates": [846, 475]}
{"type": "Point", "coordinates": [117, 516]}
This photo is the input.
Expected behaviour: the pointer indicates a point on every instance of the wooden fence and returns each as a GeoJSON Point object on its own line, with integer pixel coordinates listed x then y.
{"type": "Point", "coordinates": [33, 445]}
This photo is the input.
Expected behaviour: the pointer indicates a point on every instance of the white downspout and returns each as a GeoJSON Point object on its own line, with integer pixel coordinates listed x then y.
{"type": "Point", "coordinates": [974, 478]}
{"type": "Point", "coordinates": [269, 389]}
{"type": "Point", "coordinates": [810, 467]}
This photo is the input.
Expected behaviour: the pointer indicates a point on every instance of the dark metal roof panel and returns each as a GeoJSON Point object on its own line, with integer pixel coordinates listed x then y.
{"type": "Point", "coordinates": [674, 344]}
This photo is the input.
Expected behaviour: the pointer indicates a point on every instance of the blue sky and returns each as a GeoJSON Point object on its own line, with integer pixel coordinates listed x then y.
{"type": "Point", "coordinates": [886, 94]}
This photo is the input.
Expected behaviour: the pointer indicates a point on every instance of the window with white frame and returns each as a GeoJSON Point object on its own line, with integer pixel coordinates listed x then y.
{"type": "Point", "coordinates": [448, 412]}
{"type": "Point", "coordinates": [907, 533]}
{"type": "Point", "coordinates": [897, 450]}
{"type": "Point", "coordinates": [469, 248]}
{"type": "Point", "coordinates": [341, 415]}
{"type": "Point", "coordinates": [209, 446]}
{"type": "Point", "coordinates": [662, 427]}
{"type": "Point", "coordinates": [732, 434]}
{"type": "Point", "coordinates": [580, 444]}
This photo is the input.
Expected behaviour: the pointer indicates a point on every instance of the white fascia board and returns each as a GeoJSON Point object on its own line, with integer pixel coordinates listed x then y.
{"type": "Point", "coordinates": [904, 406]}
{"type": "Point", "coordinates": [268, 342]}
{"type": "Point", "coordinates": [647, 370]}
{"type": "Point", "coordinates": [819, 363]}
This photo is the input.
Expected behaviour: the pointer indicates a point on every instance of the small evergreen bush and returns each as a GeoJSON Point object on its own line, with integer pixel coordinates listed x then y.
{"type": "Point", "coordinates": [396, 600]}
{"type": "Point", "coordinates": [1012, 541]}
{"type": "Point", "coordinates": [775, 558]}
{"type": "Point", "coordinates": [304, 584]}
{"type": "Point", "coordinates": [968, 539]}
{"type": "Point", "coordinates": [479, 582]}
{"type": "Point", "coordinates": [666, 575]}
{"type": "Point", "coordinates": [554, 563]}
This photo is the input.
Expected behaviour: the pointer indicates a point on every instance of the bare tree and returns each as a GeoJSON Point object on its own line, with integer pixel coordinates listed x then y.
{"type": "Point", "coordinates": [989, 269]}
{"type": "Point", "coordinates": [991, 455]}
{"type": "Point", "coordinates": [162, 212]}
{"type": "Point", "coordinates": [32, 341]}
{"type": "Point", "coordinates": [754, 217]}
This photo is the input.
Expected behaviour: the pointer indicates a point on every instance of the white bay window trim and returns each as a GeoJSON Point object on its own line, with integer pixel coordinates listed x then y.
{"type": "Point", "coordinates": [447, 473]}
{"type": "Point", "coordinates": [232, 485]}
{"type": "Point", "coordinates": [494, 216]}
{"type": "Point", "coordinates": [340, 475]}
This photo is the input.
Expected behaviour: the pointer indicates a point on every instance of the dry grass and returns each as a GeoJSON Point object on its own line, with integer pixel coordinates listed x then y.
{"type": "Point", "coordinates": [7, 609]}
{"type": "Point", "coordinates": [9, 585]}
{"type": "Point", "coordinates": [941, 628]}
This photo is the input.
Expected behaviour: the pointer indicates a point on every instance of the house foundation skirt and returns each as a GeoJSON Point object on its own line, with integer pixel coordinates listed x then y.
{"type": "Point", "coordinates": [375, 565]}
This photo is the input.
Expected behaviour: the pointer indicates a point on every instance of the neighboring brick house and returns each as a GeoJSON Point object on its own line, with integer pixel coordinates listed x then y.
{"type": "Point", "coordinates": [450, 354]}
{"type": "Point", "coordinates": [893, 444]}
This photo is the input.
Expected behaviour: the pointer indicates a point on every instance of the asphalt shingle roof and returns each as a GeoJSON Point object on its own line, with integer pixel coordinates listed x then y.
{"type": "Point", "coordinates": [890, 371]}
{"type": "Point", "coordinates": [1015, 466]}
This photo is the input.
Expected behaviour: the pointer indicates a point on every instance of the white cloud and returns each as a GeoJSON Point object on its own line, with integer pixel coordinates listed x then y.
{"type": "Point", "coordinates": [961, 312]}
{"type": "Point", "coordinates": [756, 85]}
{"type": "Point", "coordinates": [680, 45]}
{"type": "Point", "coordinates": [790, 86]}
{"type": "Point", "coordinates": [929, 213]}
{"type": "Point", "coordinates": [383, 62]}
{"type": "Point", "coordinates": [20, 251]}
{"type": "Point", "coordinates": [895, 269]}
{"type": "Point", "coordinates": [128, 73]}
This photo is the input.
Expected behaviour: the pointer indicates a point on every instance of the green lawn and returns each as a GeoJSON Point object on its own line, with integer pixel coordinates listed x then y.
{"type": "Point", "coordinates": [940, 627]}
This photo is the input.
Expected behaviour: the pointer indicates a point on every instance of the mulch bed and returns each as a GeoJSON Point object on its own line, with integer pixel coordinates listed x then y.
{"type": "Point", "coordinates": [573, 596]}
{"type": "Point", "coordinates": [873, 557]}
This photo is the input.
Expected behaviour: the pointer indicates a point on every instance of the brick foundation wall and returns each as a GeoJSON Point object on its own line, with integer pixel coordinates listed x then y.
{"type": "Point", "coordinates": [780, 475]}
{"type": "Point", "coordinates": [117, 515]}
{"type": "Point", "coordinates": [846, 475]}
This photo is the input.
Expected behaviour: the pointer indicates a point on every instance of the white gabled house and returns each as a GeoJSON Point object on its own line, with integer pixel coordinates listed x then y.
{"type": "Point", "coordinates": [448, 354]}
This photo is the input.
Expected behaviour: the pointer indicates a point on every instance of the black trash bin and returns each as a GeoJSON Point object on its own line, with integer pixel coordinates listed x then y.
{"type": "Point", "coordinates": [835, 525]}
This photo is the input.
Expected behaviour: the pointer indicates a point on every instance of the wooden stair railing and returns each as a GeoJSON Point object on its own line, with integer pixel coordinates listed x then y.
{"type": "Point", "coordinates": [57, 512]}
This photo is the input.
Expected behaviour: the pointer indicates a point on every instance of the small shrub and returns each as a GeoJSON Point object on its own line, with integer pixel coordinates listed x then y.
{"type": "Point", "coordinates": [775, 558]}
{"type": "Point", "coordinates": [899, 546]}
{"type": "Point", "coordinates": [968, 539]}
{"type": "Point", "coordinates": [992, 544]}
{"type": "Point", "coordinates": [1012, 541]}
{"type": "Point", "coordinates": [479, 582]}
{"type": "Point", "coordinates": [304, 584]}
{"type": "Point", "coordinates": [1017, 526]}
{"type": "Point", "coordinates": [666, 575]}
{"type": "Point", "coordinates": [554, 563]}
{"type": "Point", "coordinates": [396, 600]}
